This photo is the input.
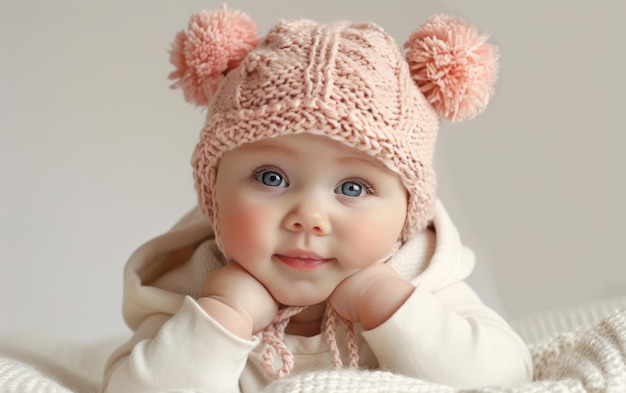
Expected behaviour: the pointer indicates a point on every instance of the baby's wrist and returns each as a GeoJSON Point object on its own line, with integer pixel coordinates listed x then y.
{"type": "Point", "coordinates": [382, 300]}
{"type": "Point", "coordinates": [227, 316]}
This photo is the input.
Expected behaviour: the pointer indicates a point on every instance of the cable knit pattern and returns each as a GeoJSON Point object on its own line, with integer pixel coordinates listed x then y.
{"type": "Point", "coordinates": [18, 377]}
{"type": "Point", "coordinates": [539, 327]}
{"type": "Point", "coordinates": [340, 80]}
{"type": "Point", "coordinates": [345, 81]}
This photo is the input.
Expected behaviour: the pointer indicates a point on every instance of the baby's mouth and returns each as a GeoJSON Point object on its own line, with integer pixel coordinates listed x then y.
{"type": "Point", "coordinates": [302, 262]}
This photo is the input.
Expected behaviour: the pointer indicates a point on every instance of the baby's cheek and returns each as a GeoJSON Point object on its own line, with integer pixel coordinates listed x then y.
{"type": "Point", "coordinates": [372, 239]}
{"type": "Point", "coordinates": [365, 244]}
{"type": "Point", "coordinates": [244, 230]}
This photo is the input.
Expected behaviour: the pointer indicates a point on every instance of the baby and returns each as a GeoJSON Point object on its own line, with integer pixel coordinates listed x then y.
{"type": "Point", "coordinates": [317, 207]}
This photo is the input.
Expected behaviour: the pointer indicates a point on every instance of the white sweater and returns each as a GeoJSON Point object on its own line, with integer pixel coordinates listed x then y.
{"type": "Point", "coordinates": [443, 333]}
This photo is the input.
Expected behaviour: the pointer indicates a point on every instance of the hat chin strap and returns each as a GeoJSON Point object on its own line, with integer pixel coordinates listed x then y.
{"type": "Point", "coordinates": [274, 333]}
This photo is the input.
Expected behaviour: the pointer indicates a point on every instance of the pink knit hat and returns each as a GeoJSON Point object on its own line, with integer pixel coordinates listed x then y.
{"type": "Point", "coordinates": [349, 82]}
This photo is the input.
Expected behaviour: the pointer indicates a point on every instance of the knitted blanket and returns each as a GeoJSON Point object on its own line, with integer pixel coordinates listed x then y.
{"type": "Point", "coordinates": [588, 357]}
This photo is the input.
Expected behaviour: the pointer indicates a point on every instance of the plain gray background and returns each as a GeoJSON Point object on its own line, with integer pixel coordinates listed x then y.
{"type": "Point", "coordinates": [95, 150]}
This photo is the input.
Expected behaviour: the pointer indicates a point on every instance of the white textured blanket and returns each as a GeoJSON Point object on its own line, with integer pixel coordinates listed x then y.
{"type": "Point", "coordinates": [576, 350]}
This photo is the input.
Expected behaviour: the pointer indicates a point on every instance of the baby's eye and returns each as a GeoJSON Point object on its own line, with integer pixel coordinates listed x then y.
{"type": "Point", "coordinates": [270, 179]}
{"type": "Point", "coordinates": [351, 189]}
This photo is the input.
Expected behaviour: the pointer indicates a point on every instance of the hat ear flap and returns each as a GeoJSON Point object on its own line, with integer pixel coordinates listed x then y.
{"type": "Point", "coordinates": [215, 43]}
{"type": "Point", "coordinates": [453, 66]}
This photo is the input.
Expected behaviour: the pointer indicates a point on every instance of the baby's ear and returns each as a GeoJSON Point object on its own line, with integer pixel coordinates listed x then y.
{"type": "Point", "coordinates": [215, 43]}
{"type": "Point", "coordinates": [453, 66]}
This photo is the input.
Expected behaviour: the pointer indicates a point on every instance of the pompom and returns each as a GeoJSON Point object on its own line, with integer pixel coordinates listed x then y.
{"type": "Point", "coordinates": [453, 66]}
{"type": "Point", "coordinates": [216, 42]}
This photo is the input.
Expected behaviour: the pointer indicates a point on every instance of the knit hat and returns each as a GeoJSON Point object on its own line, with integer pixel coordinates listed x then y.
{"type": "Point", "coordinates": [349, 82]}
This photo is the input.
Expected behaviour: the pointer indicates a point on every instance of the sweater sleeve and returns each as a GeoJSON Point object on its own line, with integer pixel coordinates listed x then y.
{"type": "Point", "coordinates": [189, 351]}
{"type": "Point", "coordinates": [451, 337]}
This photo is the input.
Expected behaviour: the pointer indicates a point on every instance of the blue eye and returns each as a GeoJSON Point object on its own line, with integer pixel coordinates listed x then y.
{"type": "Point", "coordinates": [351, 189]}
{"type": "Point", "coordinates": [270, 179]}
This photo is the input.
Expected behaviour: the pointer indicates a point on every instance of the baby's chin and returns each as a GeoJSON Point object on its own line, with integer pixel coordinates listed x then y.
{"type": "Point", "coordinates": [301, 299]}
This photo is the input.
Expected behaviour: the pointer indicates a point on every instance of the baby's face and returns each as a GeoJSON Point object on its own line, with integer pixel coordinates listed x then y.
{"type": "Point", "coordinates": [301, 213]}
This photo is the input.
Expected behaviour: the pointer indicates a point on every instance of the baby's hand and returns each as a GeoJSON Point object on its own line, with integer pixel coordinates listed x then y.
{"type": "Point", "coordinates": [371, 296]}
{"type": "Point", "coordinates": [237, 301]}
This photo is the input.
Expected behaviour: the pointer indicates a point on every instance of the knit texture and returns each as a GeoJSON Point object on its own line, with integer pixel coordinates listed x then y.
{"type": "Point", "coordinates": [538, 328]}
{"type": "Point", "coordinates": [349, 82]}
{"type": "Point", "coordinates": [18, 377]}
{"type": "Point", "coordinates": [589, 360]}
{"type": "Point", "coordinates": [273, 338]}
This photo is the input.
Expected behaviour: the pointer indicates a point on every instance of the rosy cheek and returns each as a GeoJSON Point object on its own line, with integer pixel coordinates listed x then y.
{"type": "Point", "coordinates": [372, 238]}
{"type": "Point", "coordinates": [243, 229]}
{"type": "Point", "coordinates": [370, 243]}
